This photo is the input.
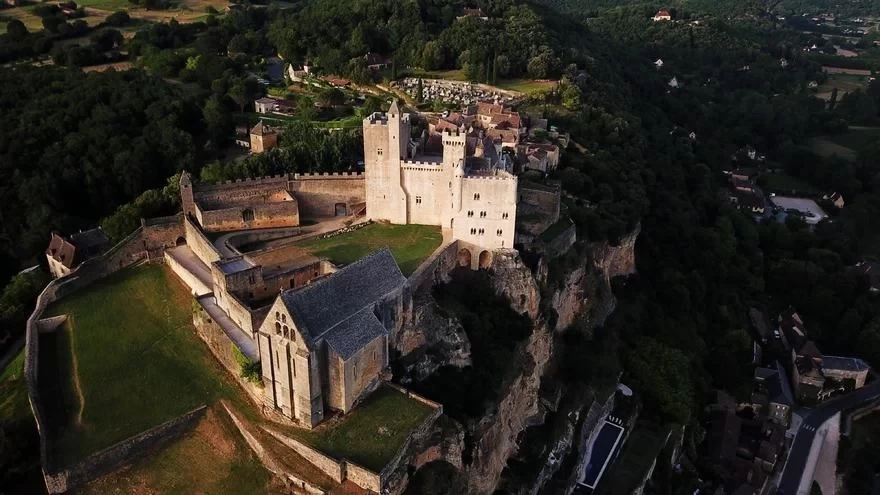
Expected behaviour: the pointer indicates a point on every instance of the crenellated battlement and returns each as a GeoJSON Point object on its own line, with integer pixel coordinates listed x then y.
{"type": "Point", "coordinates": [328, 175]}
{"type": "Point", "coordinates": [250, 181]}
{"type": "Point", "coordinates": [497, 176]}
{"type": "Point", "coordinates": [377, 118]}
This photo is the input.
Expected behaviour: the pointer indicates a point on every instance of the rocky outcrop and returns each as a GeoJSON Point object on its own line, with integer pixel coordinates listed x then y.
{"type": "Point", "coordinates": [554, 296]}
{"type": "Point", "coordinates": [434, 339]}
{"type": "Point", "coordinates": [495, 436]}
{"type": "Point", "coordinates": [512, 279]}
{"type": "Point", "coordinates": [443, 442]}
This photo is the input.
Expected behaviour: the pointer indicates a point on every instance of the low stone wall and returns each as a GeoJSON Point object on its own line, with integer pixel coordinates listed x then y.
{"type": "Point", "coordinates": [333, 468]}
{"type": "Point", "coordinates": [435, 269]}
{"type": "Point", "coordinates": [51, 324]}
{"type": "Point", "coordinates": [132, 449]}
{"type": "Point", "coordinates": [363, 477]}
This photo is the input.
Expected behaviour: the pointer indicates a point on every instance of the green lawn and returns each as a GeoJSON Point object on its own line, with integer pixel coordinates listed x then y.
{"type": "Point", "coordinates": [824, 146]}
{"type": "Point", "coordinates": [138, 361]}
{"type": "Point", "coordinates": [857, 139]}
{"type": "Point", "coordinates": [525, 85]}
{"type": "Point", "coordinates": [372, 433]}
{"type": "Point", "coordinates": [110, 5]}
{"type": "Point", "coordinates": [410, 244]}
{"type": "Point", "coordinates": [451, 75]}
{"type": "Point", "coordinates": [783, 183]}
{"type": "Point", "coordinates": [13, 392]}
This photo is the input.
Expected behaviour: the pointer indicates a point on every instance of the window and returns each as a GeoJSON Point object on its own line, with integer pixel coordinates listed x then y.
{"type": "Point", "coordinates": [481, 231]}
{"type": "Point", "coordinates": [286, 333]}
{"type": "Point", "coordinates": [498, 232]}
{"type": "Point", "coordinates": [375, 356]}
{"type": "Point", "coordinates": [470, 213]}
{"type": "Point", "coordinates": [277, 315]}
{"type": "Point", "coordinates": [277, 328]}
{"type": "Point", "coordinates": [504, 216]}
{"type": "Point", "coordinates": [418, 200]}
{"type": "Point", "coordinates": [482, 214]}
{"type": "Point", "coordinates": [277, 361]}
{"type": "Point", "coordinates": [476, 196]}
{"type": "Point", "coordinates": [247, 215]}
{"type": "Point", "coordinates": [284, 318]}
{"type": "Point", "coordinates": [379, 151]}
{"type": "Point", "coordinates": [473, 231]}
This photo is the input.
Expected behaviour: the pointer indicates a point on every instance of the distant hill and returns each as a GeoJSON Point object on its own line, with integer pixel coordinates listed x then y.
{"type": "Point", "coordinates": [722, 7]}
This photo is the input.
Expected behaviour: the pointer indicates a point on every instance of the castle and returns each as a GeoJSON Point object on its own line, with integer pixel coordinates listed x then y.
{"type": "Point", "coordinates": [320, 332]}
{"type": "Point", "coordinates": [404, 186]}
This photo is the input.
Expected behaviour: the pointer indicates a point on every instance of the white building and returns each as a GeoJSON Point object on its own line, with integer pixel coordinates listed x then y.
{"type": "Point", "coordinates": [404, 187]}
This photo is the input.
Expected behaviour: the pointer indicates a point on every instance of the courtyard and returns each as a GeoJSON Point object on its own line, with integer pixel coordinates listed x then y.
{"type": "Point", "coordinates": [410, 244]}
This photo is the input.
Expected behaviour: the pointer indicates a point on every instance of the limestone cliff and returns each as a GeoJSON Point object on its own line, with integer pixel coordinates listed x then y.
{"type": "Point", "coordinates": [574, 286]}
{"type": "Point", "coordinates": [432, 340]}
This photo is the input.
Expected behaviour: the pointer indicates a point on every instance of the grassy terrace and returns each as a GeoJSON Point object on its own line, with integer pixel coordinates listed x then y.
{"type": "Point", "coordinates": [133, 359]}
{"type": "Point", "coordinates": [212, 459]}
{"type": "Point", "coordinates": [410, 244]}
{"type": "Point", "coordinates": [372, 433]}
{"type": "Point", "coordinates": [642, 447]}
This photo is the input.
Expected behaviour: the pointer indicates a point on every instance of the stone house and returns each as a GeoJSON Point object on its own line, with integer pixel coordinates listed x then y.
{"type": "Point", "coordinates": [662, 15]}
{"type": "Point", "coordinates": [263, 137]}
{"type": "Point", "coordinates": [65, 254]}
{"type": "Point", "coordinates": [325, 346]}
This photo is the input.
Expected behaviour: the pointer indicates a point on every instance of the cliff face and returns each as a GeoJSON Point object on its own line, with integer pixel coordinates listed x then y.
{"type": "Point", "coordinates": [491, 442]}
{"type": "Point", "coordinates": [432, 340]}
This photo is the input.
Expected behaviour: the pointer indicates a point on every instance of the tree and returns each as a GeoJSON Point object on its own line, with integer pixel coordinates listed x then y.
{"type": "Point", "coordinates": [419, 91]}
{"type": "Point", "coordinates": [16, 30]}
{"type": "Point", "coordinates": [540, 66]}
{"type": "Point", "coordinates": [571, 96]}
{"type": "Point", "coordinates": [119, 18]}
{"type": "Point", "coordinates": [217, 118]}
{"type": "Point", "coordinates": [502, 65]}
{"type": "Point", "coordinates": [239, 94]}
{"type": "Point", "coordinates": [238, 44]}
{"type": "Point", "coordinates": [432, 55]}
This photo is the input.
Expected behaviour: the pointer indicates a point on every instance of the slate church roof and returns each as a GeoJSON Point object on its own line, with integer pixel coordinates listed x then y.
{"type": "Point", "coordinates": [339, 308]}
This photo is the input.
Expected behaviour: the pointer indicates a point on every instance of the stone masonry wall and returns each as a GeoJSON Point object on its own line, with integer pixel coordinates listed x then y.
{"type": "Point", "coordinates": [318, 194]}
{"type": "Point", "coordinates": [222, 348]}
{"type": "Point", "coordinates": [269, 215]}
{"type": "Point", "coordinates": [199, 244]}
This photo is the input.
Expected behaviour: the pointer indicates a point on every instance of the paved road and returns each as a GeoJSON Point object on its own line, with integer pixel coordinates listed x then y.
{"type": "Point", "coordinates": [803, 442]}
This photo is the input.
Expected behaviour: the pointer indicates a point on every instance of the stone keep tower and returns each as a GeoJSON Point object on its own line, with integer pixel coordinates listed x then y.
{"type": "Point", "coordinates": [385, 143]}
{"type": "Point", "coordinates": [186, 194]}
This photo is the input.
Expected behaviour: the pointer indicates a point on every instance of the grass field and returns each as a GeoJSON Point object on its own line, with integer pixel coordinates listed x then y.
{"type": "Point", "coordinates": [136, 360]}
{"type": "Point", "coordinates": [824, 146]}
{"type": "Point", "coordinates": [781, 182]}
{"type": "Point", "coordinates": [371, 434]}
{"type": "Point", "coordinates": [211, 459]}
{"type": "Point", "coordinates": [24, 14]}
{"type": "Point", "coordinates": [857, 139]}
{"type": "Point", "coordinates": [13, 392]}
{"type": "Point", "coordinates": [525, 85]}
{"type": "Point", "coordinates": [410, 244]}
{"type": "Point", "coordinates": [111, 5]}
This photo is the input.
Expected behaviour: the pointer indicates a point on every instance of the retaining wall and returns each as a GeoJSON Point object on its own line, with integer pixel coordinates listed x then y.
{"type": "Point", "coordinates": [330, 466]}
{"type": "Point", "coordinates": [435, 269]}
{"type": "Point", "coordinates": [199, 244]}
{"type": "Point", "coordinates": [223, 348]}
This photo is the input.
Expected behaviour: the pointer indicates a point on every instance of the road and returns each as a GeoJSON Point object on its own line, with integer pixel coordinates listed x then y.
{"type": "Point", "coordinates": [803, 442]}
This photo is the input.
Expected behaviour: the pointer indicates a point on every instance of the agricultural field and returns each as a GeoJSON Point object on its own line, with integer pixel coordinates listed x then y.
{"type": "Point", "coordinates": [843, 82]}
{"type": "Point", "coordinates": [846, 145]}
{"type": "Point", "coordinates": [410, 244]}
{"type": "Point", "coordinates": [783, 183]}
{"type": "Point", "coordinates": [525, 85]}
{"type": "Point", "coordinates": [157, 370]}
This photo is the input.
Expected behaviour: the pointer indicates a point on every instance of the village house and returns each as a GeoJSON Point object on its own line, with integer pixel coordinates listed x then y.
{"type": "Point", "coordinates": [376, 61]}
{"type": "Point", "coordinates": [268, 104]}
{"type": "Point", "coordinates": [263, 138]}
{"type": "Point", "coordinates": [472, 13]}
{"type": "Point", "coordinates": [835, 199]}
{"type": "Point", "coordinates": [65, 254]}
{"type": "Point", "coordinates": [662, 15]}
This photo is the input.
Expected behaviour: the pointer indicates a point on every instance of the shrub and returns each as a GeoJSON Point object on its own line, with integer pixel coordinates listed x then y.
{"type": "Point", "coordinates": [249, 370]}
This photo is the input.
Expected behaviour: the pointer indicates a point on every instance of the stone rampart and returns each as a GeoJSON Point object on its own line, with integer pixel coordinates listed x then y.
{"type": "Point", "coordinates": [223, 348]}
{"type": "Point", "coordinates": [363, 477]}
{"type": "Point", "coordinates": [261, 216]}
{"type": "Point", "coordinates": [319, 195]}
{"type": "Point", "coordinates": [435, 269]}
{"type": "Point", "coordinates": [199, 244]}
{"type": "Point", "coordinates": [132, 449]}
{"type": "Point", "coordinates": [268, 182]}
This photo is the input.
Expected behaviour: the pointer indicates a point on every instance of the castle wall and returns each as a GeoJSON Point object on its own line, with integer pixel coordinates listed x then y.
{"type": "Point", "coordinates": [268, 215]}
{"type": "Point", "coordinates": [239, 191]}
{"type": "Point", "coordinates": [545, 199]}
{"type": "Point", "coordinates": [318, 194]}
{"type": "Point", "coordinates": [427, 190]}
{"type": "Point", "coordinates": [199, 244]}
{"type": "Point", "coordinates": [484, 203]}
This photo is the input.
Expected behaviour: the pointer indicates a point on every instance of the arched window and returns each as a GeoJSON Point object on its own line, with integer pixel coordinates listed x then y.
{"type": "Point", "coordinates": [286, 332]}
{"type": "Point", "coordinates": [247, 215]}
{"type": "Point", "coordinates": [476, 196]}
{"type": "Point", "coordinates": [284, 318]}
{"type": "Point", "coordinates": [277, 328]}
{"type": "Point", "coordinates": [277, 315]}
